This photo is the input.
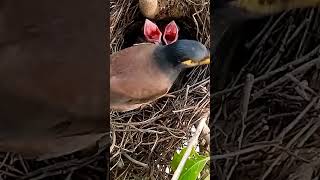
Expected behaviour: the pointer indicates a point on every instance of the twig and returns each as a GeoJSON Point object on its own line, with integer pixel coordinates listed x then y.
{"type": "Point", "coordinates": [4, 160]}
{"type": "Point", "coordinates": [244, 105]}
{"type": "Point", "coordinates": [256, 38]}
{"type": "Point", "coordinates": [191, 144]}
{"type": "Point", "coordinates": [135, 161]}
{"type": "Point", "coordinates": [242, 151]}
{"type": "Point", "coordinates": [270, 30]}
{"type": "Point", "coordinates": [291, 142]}
{"type": "Point", "coordinates": [282, 79]}
{"type": "Point", "coordinates": [279, 54]}
{"type": "Point", "coordinates": [244, 111]}
{"type": "Point", "coordinates": [302, 42]}
{"type": "Point", "coordinates": [301, 85]}
{"type": "Point", "coordinates": [286, 150]}
{"type": "Point", "coordinates": [310, 132]}
{"type": "Point", "coordinates": [297, 119]}
{"type": "Point", "coordinates": [233, 168]}
{"type": "Point", "coordinates": [206, 133]}
{"type": "Point", "coordinates": [270, 74]}
{"type": "Point", "coordinates": [113, 141]}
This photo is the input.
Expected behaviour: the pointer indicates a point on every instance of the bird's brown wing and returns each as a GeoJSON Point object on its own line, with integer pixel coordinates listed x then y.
{"type": "Point", "coordinates": [135, 76]}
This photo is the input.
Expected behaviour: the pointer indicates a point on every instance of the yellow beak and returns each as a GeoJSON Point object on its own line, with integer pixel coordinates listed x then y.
{"type": "Point", "coordinates": [191, 63]}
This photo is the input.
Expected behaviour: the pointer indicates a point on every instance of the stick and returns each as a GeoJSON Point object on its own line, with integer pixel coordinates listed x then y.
{"type": "Point", "coordinates": [206, 133]}
{"type": "Point", "coordinates": [135, 161]}
{"type": "Point", "coordinates": [245, 104]}
{"type": "Point", "coordinates": [240, 152]}
{"type": "Point", "coordinates": [192, 142]}
{"type": "Point", "coordinates": [244, 111]}
{"type": "Point", "coordinates": [270, 74]}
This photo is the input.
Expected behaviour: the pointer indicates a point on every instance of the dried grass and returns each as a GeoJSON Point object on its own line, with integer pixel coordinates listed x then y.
{"type": "Point", "coordinates": [143, 141]}
{"type": "Point", "coordinates": [272, 131]}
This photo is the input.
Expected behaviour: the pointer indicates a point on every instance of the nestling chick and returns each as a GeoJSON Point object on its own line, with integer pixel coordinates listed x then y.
{"type": "Point", "coordinates": [152, 33]}
{"type": "Point", "coordinates": [167, 34]}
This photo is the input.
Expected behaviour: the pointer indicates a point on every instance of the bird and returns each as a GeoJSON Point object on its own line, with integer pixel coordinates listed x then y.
{"type": "Point", "coordinates": [166, 33]}
{"type": "Point", "coordinates": [171, 33]}
{"type": "Point", "coordinates": [144, 73]}
{"type": "Point", "coordinates": [151, 32]}
{"type": "Point", "coordinates": [52, 78]}
{"type": "Point", "coordinates": [154, 34]}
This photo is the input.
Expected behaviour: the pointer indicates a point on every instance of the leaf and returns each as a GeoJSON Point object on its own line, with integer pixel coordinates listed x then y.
{"type": "Point", "coordinates": [177, 158]}
{"type": "Point", "coordinates": [193, 166]}
{"type": "Point", "coordinates": [193, 171]}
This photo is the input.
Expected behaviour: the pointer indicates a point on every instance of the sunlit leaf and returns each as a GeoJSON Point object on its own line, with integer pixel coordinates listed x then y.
{"type": "Point", "coordinates": [193, 166]}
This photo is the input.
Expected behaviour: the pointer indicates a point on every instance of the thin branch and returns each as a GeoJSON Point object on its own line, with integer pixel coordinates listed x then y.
{"type": "Point", "coordinates": [191, 144]}
{"type": "Point", "coordinates": [135, 161]}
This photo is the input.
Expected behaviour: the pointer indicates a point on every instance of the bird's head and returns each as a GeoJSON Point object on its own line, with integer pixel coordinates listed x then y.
{"type": "Point", "coordinates": [183, 53]}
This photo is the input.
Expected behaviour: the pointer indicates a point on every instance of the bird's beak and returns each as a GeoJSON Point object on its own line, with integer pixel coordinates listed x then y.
{"type": "Point", "coordinates": [192, 63]}
{"type": "Point", "coordinates": [205, 61]}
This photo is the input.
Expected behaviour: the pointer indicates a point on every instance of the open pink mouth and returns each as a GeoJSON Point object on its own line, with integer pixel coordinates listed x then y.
{"type": "Point", "coordinates": [153, 34]}
{"type": "Point", "coordinates": [170, 33]}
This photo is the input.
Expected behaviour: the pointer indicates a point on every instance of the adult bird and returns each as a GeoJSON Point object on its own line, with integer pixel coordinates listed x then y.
{"type": "Point", "coordinates": [52, 77]}
{"type": "Point", "coordinates": [144, 73]}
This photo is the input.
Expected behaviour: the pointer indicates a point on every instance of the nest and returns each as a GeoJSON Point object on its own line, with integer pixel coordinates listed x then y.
{"type": "Point", "coordinates": [272, 131]}
{"type": "Point", "coordinates": [143, 141]}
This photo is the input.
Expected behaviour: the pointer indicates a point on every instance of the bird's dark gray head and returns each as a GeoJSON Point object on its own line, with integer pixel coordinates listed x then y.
{"type": "Point", "coordinates": [183, 53]}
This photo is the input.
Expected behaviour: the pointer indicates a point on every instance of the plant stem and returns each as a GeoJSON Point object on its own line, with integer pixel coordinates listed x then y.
{"type": "Point", "coordinates": [191, 144]}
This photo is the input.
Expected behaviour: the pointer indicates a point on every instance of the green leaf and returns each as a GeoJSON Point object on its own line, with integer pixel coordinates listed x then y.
{"type": "Point", "coordinates": [177, 158]}
{"type": "Point", "coordinates": [194, 170]}
{"type": "Point", "coordinates": [193, 166]}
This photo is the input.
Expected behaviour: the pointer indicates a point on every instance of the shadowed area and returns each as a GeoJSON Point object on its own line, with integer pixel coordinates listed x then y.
{"type": "Point", "coordinates": [52, 89]}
